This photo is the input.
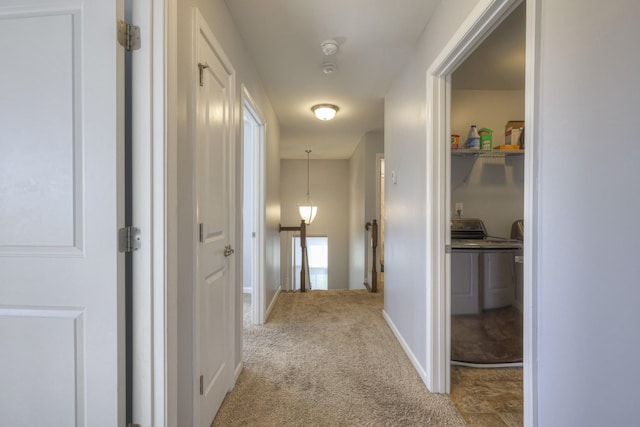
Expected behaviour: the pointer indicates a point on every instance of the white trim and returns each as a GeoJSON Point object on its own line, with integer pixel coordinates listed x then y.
{"type": "Point", "coordinates": [237, 372]}
{"type": "Point", "coordinates": [250, 107]}
{"type": "Point", "coordinates": [407, 349]}
{"type": "Point", "coordinates": [483, 18]}
{"type": "Point", "coordinates": [169, 39]}
{"type": "Point", "coordinates": [531, 217]}
{"type": "Point", "coordinates": [272, 304]}
{"type": "Point", "coordinates": [151, 136]}
{"type": "Point", "coordinates": [379, 213]}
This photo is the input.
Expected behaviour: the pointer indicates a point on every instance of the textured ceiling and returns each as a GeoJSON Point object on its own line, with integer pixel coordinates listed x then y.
{"type": "Point", "coordinates": [376, 38]}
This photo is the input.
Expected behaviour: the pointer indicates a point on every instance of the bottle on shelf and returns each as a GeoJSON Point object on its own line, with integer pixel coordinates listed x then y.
{"type": "Point", "coordinates": [473, 139]}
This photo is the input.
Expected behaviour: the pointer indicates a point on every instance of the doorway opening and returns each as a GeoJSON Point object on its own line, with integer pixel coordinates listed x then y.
{"type": "Point", "coordinates": [380, 210]}
{"type": "Point", "coordinates": [478, 25]}
{"type": "Point", "coordinates": [318, 262]}
{"type": "Point", "coordinates": [486, 188]}
{"type": "Point", "coordinates": [253, 180]}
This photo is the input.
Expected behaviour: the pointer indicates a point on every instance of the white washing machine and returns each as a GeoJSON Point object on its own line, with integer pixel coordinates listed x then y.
{"type": "Point", "coordinates": [482, 268]}
{"type": "Point", "coordinates": [517, 233]}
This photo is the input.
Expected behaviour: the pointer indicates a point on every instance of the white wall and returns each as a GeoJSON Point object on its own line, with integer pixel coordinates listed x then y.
{"type": "Point", "coordinates": [329, 190]}
{"type": "Point", "coordinates": [491, 189]}
{"type": "Point", "coordinates": [587, 284]}
{"type": "Point", "coordinates": [219, 20]}
{"type": "Point", "coordinates": [405, 301]}
{"type": "Point", "coordinates": [357, 236]}
{"type": "Point", "coordinates": [374, 145]}
{"type": "Point", "coordinates": [362, 185]}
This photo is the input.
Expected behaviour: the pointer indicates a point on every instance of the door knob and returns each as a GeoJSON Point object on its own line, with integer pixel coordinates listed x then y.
{"type": "Point", "coordinates": [228, 250]}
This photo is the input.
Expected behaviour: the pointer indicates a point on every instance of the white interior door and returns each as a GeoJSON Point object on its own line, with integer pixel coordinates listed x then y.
{"type": "Point", "coordinates": [254, 205]}
{"type": "Point", "coordinates": [61, 276]}
{"type": "Point", "coordinates": [214, 191]}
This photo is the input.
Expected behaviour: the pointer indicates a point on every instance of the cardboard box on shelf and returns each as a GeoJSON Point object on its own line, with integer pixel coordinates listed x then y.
{"type": "Point", "coordinates": [513, 131]}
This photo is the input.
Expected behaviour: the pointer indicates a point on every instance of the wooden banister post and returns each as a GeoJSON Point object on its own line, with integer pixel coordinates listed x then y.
{"type": "Point", "coordinates": [374, 245]}
{"type": "Point", "coordinates": [303, 246]}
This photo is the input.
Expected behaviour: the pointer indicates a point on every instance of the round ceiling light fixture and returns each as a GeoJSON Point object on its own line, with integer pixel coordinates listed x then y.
{"type": "Point", "coordinates": [325, 111]}
{"type": "Point", "coordinates": [329, 47]}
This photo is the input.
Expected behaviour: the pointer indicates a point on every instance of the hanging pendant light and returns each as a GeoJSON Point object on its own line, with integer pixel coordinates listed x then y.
{"type": "Point", "coordinates": [307, 210]}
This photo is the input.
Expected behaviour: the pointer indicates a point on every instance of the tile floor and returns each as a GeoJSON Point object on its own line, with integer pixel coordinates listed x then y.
{"type": "Point", "coordinates": [488, 397]}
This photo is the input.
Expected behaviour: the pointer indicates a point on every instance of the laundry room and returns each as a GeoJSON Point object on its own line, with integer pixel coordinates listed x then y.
{"type": "Point", "coordinates": [486, 191]}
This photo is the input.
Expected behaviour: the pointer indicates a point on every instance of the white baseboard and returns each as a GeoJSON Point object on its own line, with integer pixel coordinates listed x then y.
{"type": "Point", "coordinates": [237, 372]}
{"type": "Point", "coordinates": [414, 360]}
{"type": "Point", "coordinates": [271, 305]}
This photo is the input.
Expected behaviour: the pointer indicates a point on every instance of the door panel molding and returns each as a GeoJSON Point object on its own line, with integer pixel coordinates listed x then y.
{"type": "Point", "coordinates": [45, 175]}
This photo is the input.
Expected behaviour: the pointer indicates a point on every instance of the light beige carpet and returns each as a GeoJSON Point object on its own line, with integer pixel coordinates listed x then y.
{"type": "Point", "coordinates": [328, 358]}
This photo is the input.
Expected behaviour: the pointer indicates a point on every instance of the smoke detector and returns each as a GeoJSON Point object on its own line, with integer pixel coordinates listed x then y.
{"type": "Point", "coordinates": [329, 47]}
{"type": "Point", "coordinates": [329, 67]}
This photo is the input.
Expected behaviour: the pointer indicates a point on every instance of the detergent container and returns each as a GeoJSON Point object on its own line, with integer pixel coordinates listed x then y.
{"type": "Point", "coordinates": [486, 139]}
{"type": "Point", "coordinates": [473, 139]}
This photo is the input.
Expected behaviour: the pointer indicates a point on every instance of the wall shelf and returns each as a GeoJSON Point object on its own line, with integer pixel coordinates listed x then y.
{"type": "Point", "coordinates": [465, 152]}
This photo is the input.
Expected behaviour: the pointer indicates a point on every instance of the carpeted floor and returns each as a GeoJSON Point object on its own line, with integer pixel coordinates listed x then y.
{"type": "Point", "coordinates": [328, 358]}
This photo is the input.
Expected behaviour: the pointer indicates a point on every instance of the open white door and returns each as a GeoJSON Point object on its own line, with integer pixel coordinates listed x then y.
{"type": "Point", "coordinates": [61, 281]}
{"type": "Point", "coordinates": [254, 205]}
{"type": "Point", "coordinates": [214, 303]}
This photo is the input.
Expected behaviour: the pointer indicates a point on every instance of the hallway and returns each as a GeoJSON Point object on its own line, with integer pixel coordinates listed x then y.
{"type": "Point", "coordinates": [328, 358]}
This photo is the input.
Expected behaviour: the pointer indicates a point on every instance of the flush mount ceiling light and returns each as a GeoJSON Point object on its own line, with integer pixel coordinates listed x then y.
{"type": "Point", "coordinates": [329, 47]}
{"type": "Point", "coordinates": [325, 111]}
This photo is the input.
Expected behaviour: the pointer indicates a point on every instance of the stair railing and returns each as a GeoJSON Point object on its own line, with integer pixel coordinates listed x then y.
{"type": "Point", "coordinates": [304, 265]}
{"type": "Point", "coordinates": [372, 227]}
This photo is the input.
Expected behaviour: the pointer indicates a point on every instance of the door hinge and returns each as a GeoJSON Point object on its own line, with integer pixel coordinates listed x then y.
{"type": "Point", "coordinates": [201, 385]}
{"type": "Point", "coordinates": [201, 232]}
{"type": "Point", "coordinates": [128, 35]}
{"type": "Point", "coordinates": [129, 239]}
{"type": "Point", "coordinates": [201, 68]}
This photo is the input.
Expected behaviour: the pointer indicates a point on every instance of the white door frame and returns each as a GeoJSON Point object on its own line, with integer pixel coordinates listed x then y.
{"type": "Point", "coordinates": [154, 145]}
{"type": "Point", "coordinates": [478, 25]}
{"type": "Point", "coordinates": [250, 107]}
{"type": "Point", "coordinates": [379, 208]}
